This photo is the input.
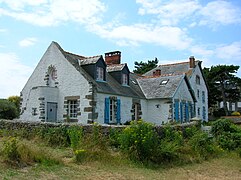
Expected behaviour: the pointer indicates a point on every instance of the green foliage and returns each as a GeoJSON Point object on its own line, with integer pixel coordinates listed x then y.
{"type": "Point", "coordinates": [223, 125]}
{"type": "Point", "coordinates": [80, 155]}
{"type": "Point", "coordinates": [8, 110]}
{"type": "Point", "coordinates": [203, 145]}
{"type": "Point", "coordinates": [235, 113]}
{"type": "Point", "coordinates": [16, 101]}
{"type": "Point", "coordinates": [30, 154]}
{"type": "Point", "coordinates": [223, 84]}
{"type": "Point", "coordinates": [76, 136]}
{"type": "Point", "coordinates": [227, 134]}
{"type": "Point", "coordinates": [55, 136]}
{"type": "Point", "coordinates": [10, 149]}
{"type": "Point", "coordinates": [114, 140]}
{"type": "Point", "coordinates": [139, 141]}
{"type": "Point", "coordinates": [143, 67]}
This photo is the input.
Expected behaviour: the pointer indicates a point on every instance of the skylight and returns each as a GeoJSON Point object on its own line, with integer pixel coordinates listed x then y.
{"type": "Point", "coordinates": [164, 82]}
{"type": "Point", "coordinates": [134, 82]}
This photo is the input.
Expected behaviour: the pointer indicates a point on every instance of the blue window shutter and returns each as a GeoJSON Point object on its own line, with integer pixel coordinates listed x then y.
{"type": "Point", "coordinates": [176, 111]}
{"type": "Point", "coordinates": [118, 114]}
{"type": "Point", "coordinates": [107, 110]}
{"type": "Point", "coordinates": [181, 111]}
{"type": "Point", "coordinates": [187, 112]}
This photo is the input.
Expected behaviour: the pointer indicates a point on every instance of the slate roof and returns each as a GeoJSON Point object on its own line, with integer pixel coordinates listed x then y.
{"type": "Point", "coordinates": [139, 86]}
{"type": "Point", "coordinates": [115, 67]}
{"type": "Point", "coordinates": [110, 86]}
{"type": "Point", "coordinates": [89, 60]}
{"type": "Point", "coordinates": [172, 69]}
{"type": "Point", "coordinates": [152, 88]}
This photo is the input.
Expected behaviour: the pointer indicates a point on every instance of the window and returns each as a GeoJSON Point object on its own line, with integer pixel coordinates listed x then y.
{"type": "Point", "coordinates": [53, 74]}
{"type": "Point", "coordinates": [100, 74]}
{"type": "Point", "coordinates": [124, 79]}
{"type": "Point", "coordinates": [198, 94]}
{"type": "Point", "coordinates": [72, 108]}
{"type": "Point", "coordinates": [164, 82]}
{"type": "Point", "coordinates": [203, 96]}
{"type": "Point", "coordinates": [204, 113]}
{"type": "Point", "coordinates": [198, 111]}
{"type": "Point", "coordinates": [197, 79]}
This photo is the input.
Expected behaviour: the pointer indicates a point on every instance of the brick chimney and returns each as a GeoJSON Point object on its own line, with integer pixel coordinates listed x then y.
{"type": "Point", "coordinates": [191, 62]}
{"type": "Point", "coordinates": [113, 57]}
{"type": "Point", "coordinates": [157, 72]}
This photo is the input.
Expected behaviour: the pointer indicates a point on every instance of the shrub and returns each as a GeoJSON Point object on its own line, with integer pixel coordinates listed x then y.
{"type": "Point", "coordinates": [220, 112]}
{"type": "Point", "coordinates": [235, 113]}
{"type": "Point", "coordinates": [31, 154]}
{"type": "Point", "coordinates": [10, 150]}
{"type": "Point", "coordinates": [223, 125]}
{"type": "Point", "coordinates": [80, 155]}
{"type": "Point", "coordinates": [230, 141]}
{"type": "Point", "coordinates": [76, 136]}
{"type": "Point", "coordinates": [55, 136]}
{"type": "Point", "coordinates": [8, 110]}
{"type": "Point", "coordinates": [203, 145]}
{"type": "Point", "coordinates": [139, 141]}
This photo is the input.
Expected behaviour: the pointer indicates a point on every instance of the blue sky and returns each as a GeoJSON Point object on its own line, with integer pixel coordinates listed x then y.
{"type": "Point", "coordinates": [171, 30]}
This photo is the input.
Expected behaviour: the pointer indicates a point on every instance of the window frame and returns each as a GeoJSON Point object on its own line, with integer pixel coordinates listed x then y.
{"type": "Point", "coordinates": [125, 79]}
{"type": "Point", "coordinates": [100, 74]}
{"type": "Point", "coordinates": [72, 110]}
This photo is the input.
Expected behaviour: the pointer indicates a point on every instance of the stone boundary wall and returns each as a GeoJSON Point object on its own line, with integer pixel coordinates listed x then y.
{"type": "Point", "coordinates": [105, 129]}
{"type": "Point", "coordinates": [235, 119]}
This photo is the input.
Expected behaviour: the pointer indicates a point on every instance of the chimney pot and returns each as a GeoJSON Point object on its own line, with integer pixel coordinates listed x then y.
{"type": "Point", "coordinates": [191, 62]}
{"type": "Point", "coordinates": [113, 57]}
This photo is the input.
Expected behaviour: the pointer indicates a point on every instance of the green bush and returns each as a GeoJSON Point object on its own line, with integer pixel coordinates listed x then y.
{"type": "Point", "coordinates": [139, 141]}
{"type": "Point", "coordinates": [55, 136]}
{"type": "Point", "coordinates": [223, 125]}
{"type": "Point", "coordinates": [10, 150]}
{"type": "Point", "coordinates": [235, 113]}
{"type": "Point", "coordinates": [203, 145]}
{"type": "Point", "coordinates": [76, 136]}
{"type": "Point", "coordinates": [80, 155]}
{"type": "Point", "coordinates": [230, 141]}
{"type": "Point", "coordinates": [8, 110]}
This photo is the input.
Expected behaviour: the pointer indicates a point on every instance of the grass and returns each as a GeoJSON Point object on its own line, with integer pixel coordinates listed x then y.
{"type": "Point", "coordinates": [227, 166]}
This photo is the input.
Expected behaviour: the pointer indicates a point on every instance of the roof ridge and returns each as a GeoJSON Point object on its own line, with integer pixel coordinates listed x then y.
{"type": "Point", "coordinates": [183, 62]}
{"type": "Point", "coordinates": [74, 54]}
{"type": "Point", "coordinates": [89, 57]}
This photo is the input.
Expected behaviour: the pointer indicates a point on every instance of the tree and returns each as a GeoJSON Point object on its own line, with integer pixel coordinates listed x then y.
{"type": "Point", "coordinates": [16, 101]}
{"type": "Point", "coordinates": [223, 84]}
{"type": "Point", "coordinates": [8, 109]}
{"type": "Point", "coordinates": [143, 67]}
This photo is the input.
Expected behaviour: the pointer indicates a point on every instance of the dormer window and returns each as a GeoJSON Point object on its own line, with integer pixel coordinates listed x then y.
{"type": "Point", "coordinates": [100, 74]}
{"type": "Point", "coordinates": [125, 79]}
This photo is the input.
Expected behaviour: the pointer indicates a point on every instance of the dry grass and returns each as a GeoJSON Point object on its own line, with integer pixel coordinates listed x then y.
{"type": "Point", "coordinates": [117, 168]}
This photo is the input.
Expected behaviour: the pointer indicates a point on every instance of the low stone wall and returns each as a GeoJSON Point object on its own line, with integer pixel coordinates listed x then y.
{"type": "Point", "coordinates": [105, 129]}
{"type": "Point", "coordinates": [235, 119]}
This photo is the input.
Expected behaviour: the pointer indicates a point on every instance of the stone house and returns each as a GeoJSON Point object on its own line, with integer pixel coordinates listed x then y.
{"type": "Point", "coordinates": [66, 87]}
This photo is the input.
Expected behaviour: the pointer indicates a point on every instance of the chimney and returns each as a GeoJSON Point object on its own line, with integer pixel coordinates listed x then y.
{"type": "Point", "coordinates": [191, 62]}
{"type": "Point", "coordinates": [157, 72]}
{"type": "Point", "coordinates": [113, 57]}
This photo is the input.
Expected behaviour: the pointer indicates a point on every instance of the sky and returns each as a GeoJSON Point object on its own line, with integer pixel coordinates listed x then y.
{"type": "Point", "coordinates": [170, 30]}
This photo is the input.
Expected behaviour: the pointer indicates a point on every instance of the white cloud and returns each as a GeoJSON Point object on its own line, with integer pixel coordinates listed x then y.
{"type": "Point", "coordinates": [27, 42]}
{"type": "Point", "coordinates": [13, 75]}
{"type": "Point", "coordinates": [203, 51]}
{"type": "Point", "coordinates": [231, 52]}
{"type": "Point", "coordinates": [220, 12]}
{"type": "Point", "coordinates": [3, 30]}
{"type": "Point", "coordinates": [169, 12]}
{"type": "Point", "coordinates": [172, 37]}
{"type": "Point", "coordinates": [53, 12]}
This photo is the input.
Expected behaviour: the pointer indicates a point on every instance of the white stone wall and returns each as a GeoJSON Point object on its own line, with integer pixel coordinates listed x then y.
{"type": "Point", "coordinates": [70, 83]}
{"type": "Point", "coordinates": [126, 105]}
{"type": "Point", "coordinates": [201, 87]}
{"type": "Point", "coordinates": [157, 111]}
